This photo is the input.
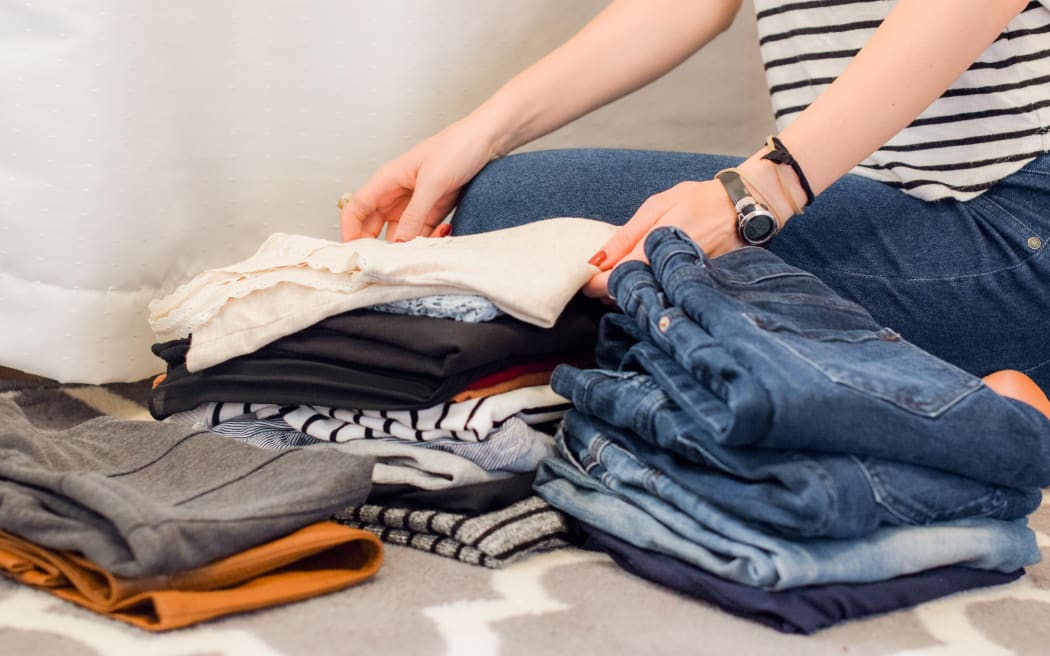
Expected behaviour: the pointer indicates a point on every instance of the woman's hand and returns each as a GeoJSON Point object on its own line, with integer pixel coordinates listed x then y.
{"type": "Point", "coordinates": [413, 193]}
{"type": "Point", "coordinates": [701, 209]}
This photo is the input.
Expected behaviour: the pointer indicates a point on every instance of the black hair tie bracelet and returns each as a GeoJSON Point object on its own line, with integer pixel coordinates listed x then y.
{"type": "Point", "coordinates": [780, 155]}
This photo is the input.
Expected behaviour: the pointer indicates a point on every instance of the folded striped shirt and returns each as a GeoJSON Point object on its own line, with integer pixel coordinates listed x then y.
{"type": "Point", "coordinates": [471, 420]}
{"type": "Point", "coordinates": [514, 446]}
{"type": "Point", "coordinates": [492, 539]}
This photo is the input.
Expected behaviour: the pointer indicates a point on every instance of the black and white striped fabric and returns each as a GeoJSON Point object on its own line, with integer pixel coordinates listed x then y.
{"type": "Point", "coordinates": [472, 420]}
{"type": "Point", "coordinates": [490, 539]}
{"type": "Point", "coordinates": [513, 446]}
{"type": "Point", "coordinates": [992, 121]}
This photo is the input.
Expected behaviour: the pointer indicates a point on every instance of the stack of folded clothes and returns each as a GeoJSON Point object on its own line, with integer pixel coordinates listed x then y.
{"type": "Point", "coordinates": [755, 440]}
{"type": "Point", "coordinates": [433, 357]}
{"type": "Point", "coordinates": [162, 526]}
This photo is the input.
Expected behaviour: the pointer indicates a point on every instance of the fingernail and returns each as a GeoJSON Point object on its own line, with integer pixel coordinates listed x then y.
{"type": "Point", "coordinates": [597, 258]}
{"type": "Point", "coordinates": [442, 230]}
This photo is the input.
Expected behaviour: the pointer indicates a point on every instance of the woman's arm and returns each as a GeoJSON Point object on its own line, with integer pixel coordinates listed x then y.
{"type": "Point", "coordinates": [917, 52]}
{"type": "Point", "coordinates": [629, 44]}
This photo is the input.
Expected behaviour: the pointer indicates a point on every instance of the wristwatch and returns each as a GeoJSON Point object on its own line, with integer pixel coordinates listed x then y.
{"type": "Point", "coordinates": [755, 224]}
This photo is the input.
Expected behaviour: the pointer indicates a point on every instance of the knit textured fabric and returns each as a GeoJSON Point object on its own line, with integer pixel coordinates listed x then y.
{"type": "Point", "coordinates": [492, 539]}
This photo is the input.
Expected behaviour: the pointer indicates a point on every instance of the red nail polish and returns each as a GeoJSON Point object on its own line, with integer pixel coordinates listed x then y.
{"type": "Point", "coordinates": [597, 258]}
{"type": "Point", "coordinates": [442, 230]}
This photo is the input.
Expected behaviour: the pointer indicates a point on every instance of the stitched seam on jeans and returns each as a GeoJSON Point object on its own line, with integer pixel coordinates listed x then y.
{"type": "Point", "coordinates": [1037, 366]}
{"type": "Point", "coordinates": [1016, 219]}
{"type": "Point", "coordinates": [834, 502]}
{"type": "Point", "coordinates": [931, 408]}
{"type": "Point", "coordinates": [905, 508]}
{"type": "Point", "coordinates": [857, 274]}
{"type": "Point", "coordinates": [1033, 171]}
{"type": "Point", "coordinates": [878, 490]}
{"type": "Point", "coordinates": [762, 277]}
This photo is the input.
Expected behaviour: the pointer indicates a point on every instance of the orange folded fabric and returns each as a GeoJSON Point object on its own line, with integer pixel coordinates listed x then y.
{"type": "Point", "coordinates": [524, 380]}
{"type": "Point", "coordinates": [314, 560]}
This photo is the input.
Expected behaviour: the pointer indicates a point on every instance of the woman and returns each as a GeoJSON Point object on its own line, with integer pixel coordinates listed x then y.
{"type": "Point", "coordinates": [913, 135]}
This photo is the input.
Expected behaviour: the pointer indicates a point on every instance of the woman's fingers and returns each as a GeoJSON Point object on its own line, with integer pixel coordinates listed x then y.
{"type": "Point", "coordinates": [380, 200]}
{"type": "Point", "coordinates": [626, 243]}
{"type": "Point", "coordinates": [418, 210]}
{"type": "Point", "coordinates": [355, 213]}
{"type": "Point", "coordinates": [367, 210]}
{"type": "Point", "coordinates": [597, 286]}
{"type": "Point", "coordinates": [631, 233]}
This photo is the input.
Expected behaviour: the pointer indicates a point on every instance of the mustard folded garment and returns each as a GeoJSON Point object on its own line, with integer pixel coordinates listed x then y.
{"type": "Point", "coordinates": [315, 560]}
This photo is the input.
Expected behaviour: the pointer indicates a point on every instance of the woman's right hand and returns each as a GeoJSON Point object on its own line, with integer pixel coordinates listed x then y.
{"type": "Point", "coordinates": [413, 193]}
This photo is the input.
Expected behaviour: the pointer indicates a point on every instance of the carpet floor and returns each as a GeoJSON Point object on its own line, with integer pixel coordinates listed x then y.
{"type": "Point", "coordinates": [560, 602]}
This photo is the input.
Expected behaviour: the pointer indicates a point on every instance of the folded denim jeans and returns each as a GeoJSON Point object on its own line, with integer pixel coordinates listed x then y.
{"type": "Point", "coordinates": [617, 501]}
{"type": "Point", "coordinates": [798, 610]}
{"type": "Point", "coordinates": [790, 494]}
{"type": "Point", "coordinates": [799, 367]}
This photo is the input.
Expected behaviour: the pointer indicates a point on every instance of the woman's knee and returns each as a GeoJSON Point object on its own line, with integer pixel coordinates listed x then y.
{"type": "Point", "coordinates": [503, 194]}
{"type": "Point", "coordinates": [604, 184]}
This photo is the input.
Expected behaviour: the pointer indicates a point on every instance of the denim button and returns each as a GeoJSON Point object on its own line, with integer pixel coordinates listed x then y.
{"type": "Point", "coordinates": [1035, 243]}
{"type": "Point", "coordinates": [663, 324]}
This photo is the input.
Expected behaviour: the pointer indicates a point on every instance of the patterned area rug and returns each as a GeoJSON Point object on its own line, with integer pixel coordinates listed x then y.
{"type": "Point", "coordinates": [560, 602]}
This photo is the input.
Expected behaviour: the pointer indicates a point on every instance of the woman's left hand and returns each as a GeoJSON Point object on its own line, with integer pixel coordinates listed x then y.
{"type": "Point", "coordinates": [701, 209]}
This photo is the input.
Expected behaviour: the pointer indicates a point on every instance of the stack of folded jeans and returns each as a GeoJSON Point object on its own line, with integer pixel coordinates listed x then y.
{"type": "Point", "coordinates": [755, 440]}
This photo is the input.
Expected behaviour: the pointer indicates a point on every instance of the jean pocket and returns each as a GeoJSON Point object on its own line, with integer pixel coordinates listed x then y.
{"type": "Point", "coordinates": [877, 363]}
{"type": "Point", "coordinates": [1015, 220]}
{"type": "Point", "coordinates": [918, 495]}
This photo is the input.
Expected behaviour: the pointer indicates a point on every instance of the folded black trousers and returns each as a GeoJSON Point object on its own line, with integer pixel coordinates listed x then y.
{"type": "Point", "coordinates": [371, 360]}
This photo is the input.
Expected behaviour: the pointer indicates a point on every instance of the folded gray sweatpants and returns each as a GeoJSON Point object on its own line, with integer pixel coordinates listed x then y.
{"type": "Point", "coordinates": [141, 498]}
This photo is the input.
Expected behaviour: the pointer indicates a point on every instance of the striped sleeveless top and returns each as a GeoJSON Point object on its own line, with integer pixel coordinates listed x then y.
{"type": "Point", "coordinates": [991, 122]}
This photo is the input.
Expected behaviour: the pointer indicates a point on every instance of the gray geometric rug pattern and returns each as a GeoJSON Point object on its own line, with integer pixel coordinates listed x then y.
{"type": "Point", "coordinates": [561, 602]}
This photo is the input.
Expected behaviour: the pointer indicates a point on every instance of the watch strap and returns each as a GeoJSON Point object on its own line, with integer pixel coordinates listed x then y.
{"type": "Point", "coordinates": [756, 223]}
{"type": "Point", "coordinates": [734, 185]}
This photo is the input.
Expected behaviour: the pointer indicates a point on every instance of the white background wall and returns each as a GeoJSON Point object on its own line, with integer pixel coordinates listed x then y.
{"type": "Point", "coordinates": [142, 141]}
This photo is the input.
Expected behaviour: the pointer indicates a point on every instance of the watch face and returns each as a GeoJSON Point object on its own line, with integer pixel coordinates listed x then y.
{"type": "Point", "coordinates": [758, 228]}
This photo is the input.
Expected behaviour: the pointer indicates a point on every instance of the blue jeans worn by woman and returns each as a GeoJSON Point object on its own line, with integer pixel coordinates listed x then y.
{"type": "Point", "coordinates": [966, 281]}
